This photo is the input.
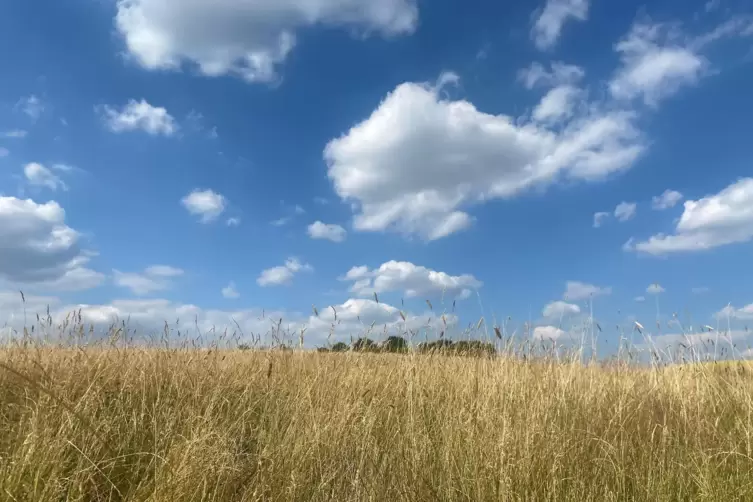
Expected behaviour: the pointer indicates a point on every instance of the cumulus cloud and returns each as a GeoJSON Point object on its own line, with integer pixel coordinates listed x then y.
{"type": "Point", "coordinates": [39, 250]}
{"type": "Point", "coordinates": [38, 175]}
{"type": "Point", "coordinates": [154, 278]}
{"type": "Point", "coordinates": [282, 275]}
{"type": "Point", "coordinates": [245, 38]}
{"type": "Point", "coordinates": [713, 221]}
{"type": "Point", "coordinates": [625, 211]}
{"type": "Point", "coordinates": [656, 63]}
{"type": "Point", "coordinates": [557, 104]}
{"type": "Point", "coordinates": [230, 291]}
{"type": "Point", "coordinates": [559, 309]}
{"type": "Point", "coordinates": [140, 115]}
{"type": "Point", "coordinates": [600, 218]}
{"type": "Point", "coordinates": [331, 232]}
{"type": "Point", "coordinates": [548, 333]}
{"type": "Point", "coordinates": [658, 59]}
{"type": "Point", "coordinates": [206, 204]}
{"type": "Point", "coordinates": [233, 221]}
{"type": "Point", "coordinates": [743, 313]}
{"type": "Point", "coordinates": [575, 291]}
{"type": "Point", "coordinates": [548, 26]}
{"type": "Point", "coordinates": [436, 156]}
{"type": "Point", "coordinates": [409, 279]}
{"type": "Point", "coordinates": [655, 289]}
{"type": "Point", "coordinates": [666, 200]}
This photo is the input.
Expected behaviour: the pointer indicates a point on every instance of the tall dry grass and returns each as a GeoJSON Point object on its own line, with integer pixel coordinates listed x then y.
{"type": "Point", "coordinates": [100, 423]}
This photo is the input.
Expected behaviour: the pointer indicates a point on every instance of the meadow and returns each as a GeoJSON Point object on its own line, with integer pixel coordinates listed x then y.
{"type": "Point", "coordinates": [117, 421]}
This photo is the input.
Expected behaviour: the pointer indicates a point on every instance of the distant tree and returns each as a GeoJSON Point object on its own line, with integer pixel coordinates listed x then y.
{"type": "Point", "coordinates": [395, 344]}
{"type": "Point", "coordinates": [244, 346]}
{"type": "Point", "coordinates": [365, 345]}
{"type": "Point", "coordinates": [340, 347]}
{"type": "Point", "coordinates": [474, 348]}
{"type": "Point", "coordinates": [436, 346]}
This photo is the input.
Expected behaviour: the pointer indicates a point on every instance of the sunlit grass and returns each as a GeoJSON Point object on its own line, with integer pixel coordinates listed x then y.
{"type": "Point", "coordinates": [111, 422]}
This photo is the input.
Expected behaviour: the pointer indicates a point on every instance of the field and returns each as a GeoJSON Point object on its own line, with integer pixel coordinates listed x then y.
{"type": "Point", "coordinates": [98, 423]}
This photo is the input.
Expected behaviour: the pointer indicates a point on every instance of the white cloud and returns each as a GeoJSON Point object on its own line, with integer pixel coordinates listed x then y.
{"type": "Point", "coordinates": [319, 230]}
{"type": "Point", "coordinates": [557, 104]}
{"type": "Point", "coordinates": [713, 221]}
{"type": "Point", "coordinates": [4, 152]}
{"type": "Point", "coordinates": [419, 159]}
{"type": "Point", "coordinates": [282, 275]}
{"type": "Point", "coordinates": [560, 74]}
{"type": "Point", "coordinates": [625, 211]}
{"type": "Point", "coordinates": [154, 278]}
{"type": "Point", "coordinates": [655, 289]}
{"type": "Point", "coordinates": [640, 299]}
{"type": "Point", "coordinates": [250, 39]}
{"type": "Point", "coordinates": [700, 290]}
{"type": "Point", "coordinates": [658, 59]}
{"type": "Point", "coordinates": [412, 280]}
{"type": "Point", "coordinates": [230, 292]}
{"type": "Point", "coordinates": [206, 204]}
{"type": "Point", "coordinates": [559, 308]}
{"type": "Point", "coordinates": [656, 63]}
{"type": "Point", "coordinates": [233, 221]}
{"type": "Point", "coordinates": [548, 333]}
{"type": "Point", "coordinates": [575, 291]}
{"type": "Point", "coordinates": [141, 115]}
{"type": "Point", "coordinates": [163, 271]}
{"type": "Point", "coordinates": [666, 200]}
{"type": "Point", "coordinates": [39, 250]}
{"type": "Point", "coordinates": [744, 313]}
{"type": "Point", "coordinates": [14, 134]}
{"type": "Point", "coordinates": [31, 106]}
{"type": "Point", "coordinates": [548, 26]}
{"type": "Point", "coordinates": [600, 218]}
{"type": "Point", "coordinates": [38, 175]}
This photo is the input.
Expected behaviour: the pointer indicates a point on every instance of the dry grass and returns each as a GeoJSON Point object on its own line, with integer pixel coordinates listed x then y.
{"type": "Point", "coordinates": [188, 425]}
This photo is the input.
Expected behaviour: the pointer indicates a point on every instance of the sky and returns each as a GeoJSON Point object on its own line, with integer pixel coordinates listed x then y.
{"type": "Point", "coordinates": [400, 164]}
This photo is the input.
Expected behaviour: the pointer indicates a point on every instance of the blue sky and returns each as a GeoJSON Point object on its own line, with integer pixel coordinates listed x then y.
{"type": "Point", "coordinates": [165, 159]}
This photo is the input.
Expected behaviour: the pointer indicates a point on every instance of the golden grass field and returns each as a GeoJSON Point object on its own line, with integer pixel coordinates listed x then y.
{"type": "Point", "coordinates": [187, 425]}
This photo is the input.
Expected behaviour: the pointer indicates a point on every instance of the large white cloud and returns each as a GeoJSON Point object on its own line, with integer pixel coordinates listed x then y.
{"type": "Point", "coordinates": [659, 59]}
{"type": "Point", "coordinates": [410, 280]}
{"type": "Point", "coordinates": [38, 175]}
{"type": "Point", "coordinates": [283, 274]}
{"type": "Point", "coordinates": [419, 159]}
{"type": "Point", "coordinates": [207, 204]}
{"type": "Point", "coordinates": [39, 250]}
{"type": "Point", "coordinates": [559, 309]}
{"type": "Point", "coordinates": [713, 221]}
{"type": "Point", "coordinates": [576, 290]}
{"type": "Point", "coordinates": [548, 333]}
{"type": "Point", "coordinates": [135, 115]}
{"type": "Point", "coordinates": [248, 38]}
{"type": "Point", "coordinates": [327, 231]}
{"type": "Point", "coordinates": [548, 26]}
